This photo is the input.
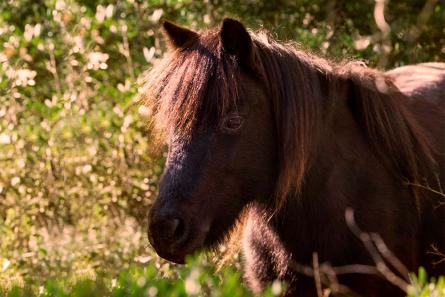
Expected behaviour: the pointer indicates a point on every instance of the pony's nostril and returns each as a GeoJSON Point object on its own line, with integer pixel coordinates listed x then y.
{"type": "Point", "coordinates": [174, 225]}
{"type": "Point", "coordinates": [174, 229]}
{"type": "Point", "coordinates": [179, 230]}
{"type": "Point", "coordinates": [167, 233]}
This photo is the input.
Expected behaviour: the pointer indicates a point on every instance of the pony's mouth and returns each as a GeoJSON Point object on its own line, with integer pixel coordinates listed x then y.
{"type": "Point", "coordinates": [178, 258]}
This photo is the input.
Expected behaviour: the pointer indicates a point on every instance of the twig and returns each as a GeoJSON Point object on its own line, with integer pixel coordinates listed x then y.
{"type": "Point", "coordinates": [355, 268]}
{"type": "Point", "coordinates": [317, 274]}
{"type": "Point", "coordinates": [439, 183]}
{"type": "Point", "coordinates": [54, 69]}
{"type": "Point", "coordinates": [416, 30]}
{"type": "Point", "coordinates": [327, 277]}
{"type": "Point", "coordinates": [389, 256]}
{"type": "Point", "coordinates": [380, 265]}
{"type": "Point", "coordinates": [435, 251]}
{"type": "Point", "coordinates": [428, 188]}
{"type": "Point", "coordinates": [127, 52]}
{"type": "Point", "coordinates": [385, 29]}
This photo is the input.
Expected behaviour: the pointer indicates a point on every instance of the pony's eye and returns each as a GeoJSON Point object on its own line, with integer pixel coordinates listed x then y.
{"type": "Point", "coordinates": [232, 123]}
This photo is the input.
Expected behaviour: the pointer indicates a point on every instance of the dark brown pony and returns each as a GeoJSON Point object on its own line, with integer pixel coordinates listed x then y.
{"type": "Point", "coordinates": [292, 140]}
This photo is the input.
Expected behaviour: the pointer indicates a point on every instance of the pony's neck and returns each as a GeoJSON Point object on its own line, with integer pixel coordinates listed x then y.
{"type": "Point", "coordinates": [299, 86]}
{"type": "Point", "coordinates": [309, 93]}
{"type": "Point", "coordinates": [313, 110]}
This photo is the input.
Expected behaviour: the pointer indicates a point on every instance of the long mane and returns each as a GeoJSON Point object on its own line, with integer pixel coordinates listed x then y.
{"type": "Point", "coordinates": [299, 83]}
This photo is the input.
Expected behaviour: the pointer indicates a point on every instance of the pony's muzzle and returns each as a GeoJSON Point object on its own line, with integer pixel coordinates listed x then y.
{"type": "Point", "coordinates": [168, 234]}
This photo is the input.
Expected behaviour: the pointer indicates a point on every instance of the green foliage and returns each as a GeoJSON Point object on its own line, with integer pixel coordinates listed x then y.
{"type": "Point", "coordinates": [195, 279]}
{"type": "Point", "coordinates": [421, 286]}
{"type": "Point", "coordinates": [78, 171]}
{"type": "Point", "coordinates": [79, 167]}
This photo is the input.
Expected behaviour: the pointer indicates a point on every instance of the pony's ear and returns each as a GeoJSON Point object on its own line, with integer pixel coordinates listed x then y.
{"type": "Point", "coordinates": [178, 36]}
{"type": "Point", "coordinates": [236, 40]}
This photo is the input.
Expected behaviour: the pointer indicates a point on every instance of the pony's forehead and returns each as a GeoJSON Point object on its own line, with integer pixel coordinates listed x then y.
{"type": "Point", "coordinates": [194, 86]}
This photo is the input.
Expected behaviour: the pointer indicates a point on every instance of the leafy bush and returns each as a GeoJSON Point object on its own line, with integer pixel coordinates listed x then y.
{"type": "Point", "coordinates": [195, 279]}
{"type": "Point", "coordinates": [421, 286]}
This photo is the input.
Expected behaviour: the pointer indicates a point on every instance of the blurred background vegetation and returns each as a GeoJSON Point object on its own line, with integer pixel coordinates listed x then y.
{"type": "Point", "coordinates": [78, 164]}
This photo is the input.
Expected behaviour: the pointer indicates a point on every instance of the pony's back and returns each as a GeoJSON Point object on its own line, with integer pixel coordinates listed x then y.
{"type": "Point", "coordinates": [426, 80]}
{"type": "Point", "coordinates": [424, 84]}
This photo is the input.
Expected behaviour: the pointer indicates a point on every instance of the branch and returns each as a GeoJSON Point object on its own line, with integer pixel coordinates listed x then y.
{"type": "Point", "coordinates": [380, 264]}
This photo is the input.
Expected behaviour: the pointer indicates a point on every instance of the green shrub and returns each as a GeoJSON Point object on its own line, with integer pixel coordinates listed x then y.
{"type": "Point", "coordinates": [195, 279]}
{"type": "Point", "coordinates": [421, 286]}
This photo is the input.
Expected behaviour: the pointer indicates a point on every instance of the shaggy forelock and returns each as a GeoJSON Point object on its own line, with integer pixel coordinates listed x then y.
{"type": "Point", "coordinates": [194, 86]}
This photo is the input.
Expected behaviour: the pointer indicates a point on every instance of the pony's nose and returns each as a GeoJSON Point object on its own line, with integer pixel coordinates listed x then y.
{"type": "Point", "coordinates": [166, 232]}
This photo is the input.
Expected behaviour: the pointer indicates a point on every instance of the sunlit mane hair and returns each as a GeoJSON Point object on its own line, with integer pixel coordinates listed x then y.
{"type": "Point", "coordinates": [192, 86]}
{"type": "Point", "coordinates": [196, 86]}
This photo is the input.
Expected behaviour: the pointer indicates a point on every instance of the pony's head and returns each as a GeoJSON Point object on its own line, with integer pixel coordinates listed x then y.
{"type": "Point", "coordinates": [225, 100]}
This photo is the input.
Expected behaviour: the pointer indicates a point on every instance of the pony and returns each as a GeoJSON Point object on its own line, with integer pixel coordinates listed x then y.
{"type": "Point", "coordinates": [285, 142]}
